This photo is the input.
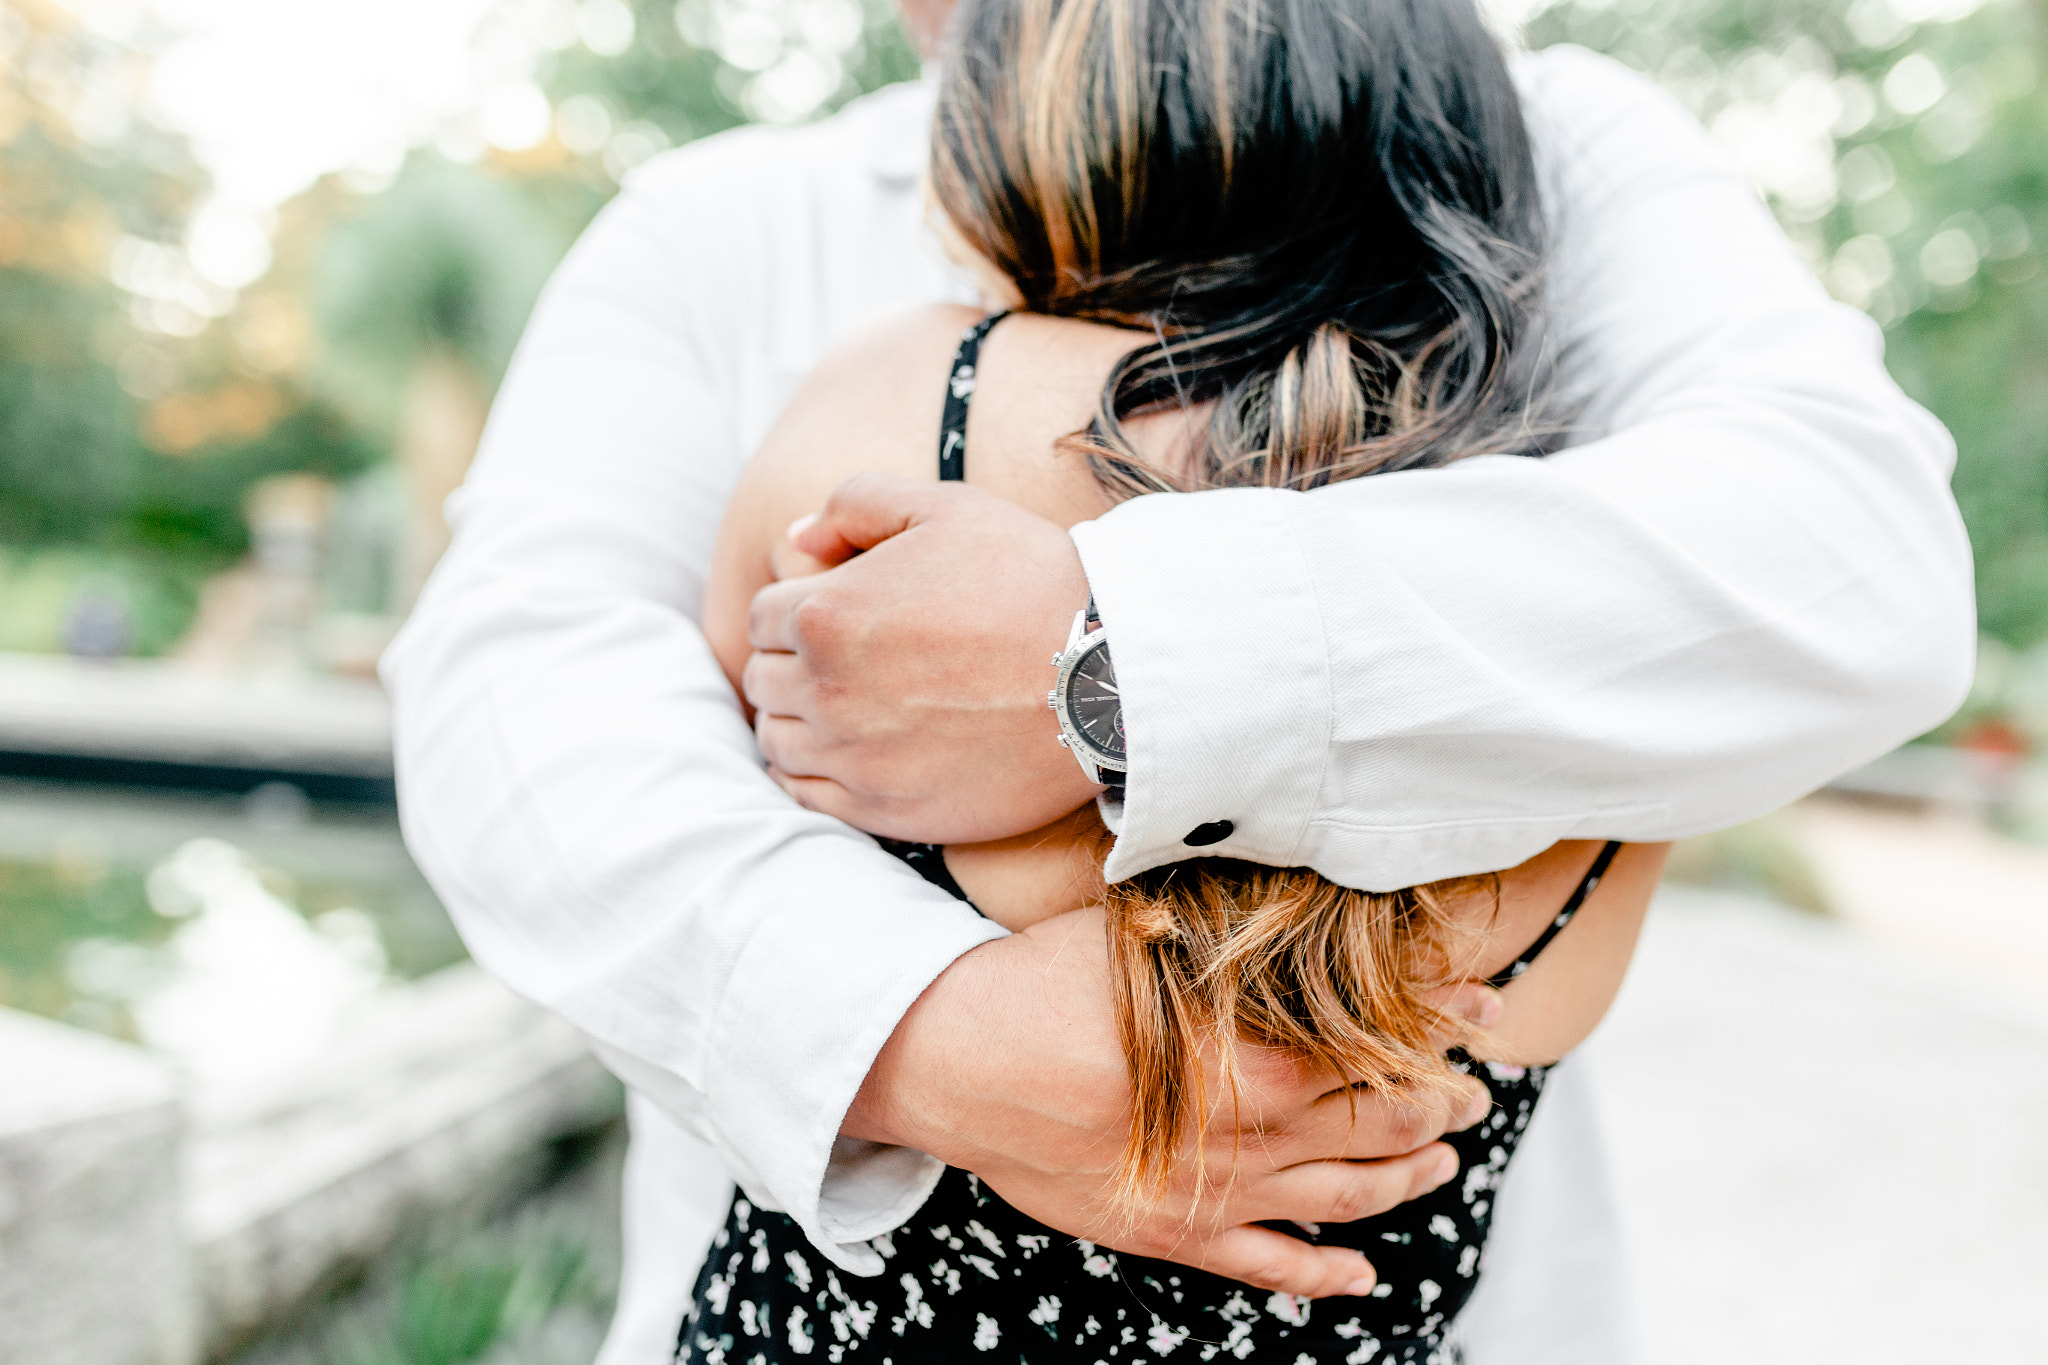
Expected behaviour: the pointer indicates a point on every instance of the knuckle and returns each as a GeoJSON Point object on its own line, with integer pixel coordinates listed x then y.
{"type": "Point", "coordinates": [1425, 1179]}
{"type": "Point", "coordinates": [753, 675]}
{"type": "Point", "coordinates": [1269, 1271]}
{"type": "Point", "coordinates": [1357, 1199]}
{"type": "Point", "coordinates": [854, 485]}
{"type": "Point", "coordinates": [1472, 1105]}
{"type": "Point", "coordinates": [852, 769]}
{"type": "Point", "coordinates": [1151, 1241]}
{"type": "Point", "coordinates": [1273, 1072]}
{"type": "Point", "coordinates": [1404, 1127]}
{"type": "Point", "coordinates": [828, 687]}
{"type": "Point", "coordinates": [762, 614]}
{"type": "Point", "coordinates": [817, 622]}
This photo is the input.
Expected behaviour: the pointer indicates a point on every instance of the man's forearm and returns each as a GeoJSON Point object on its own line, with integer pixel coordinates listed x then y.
{"type": "Point", "coordinates": [574, 773]}
{"type": "Point", "coordinates": [1755, 580]}
{"type": "Point", "coordinates": [672, 911]}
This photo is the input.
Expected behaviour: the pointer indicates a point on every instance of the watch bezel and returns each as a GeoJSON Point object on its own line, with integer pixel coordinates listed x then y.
{"type": "Point", "coordinates": [1077, 739]}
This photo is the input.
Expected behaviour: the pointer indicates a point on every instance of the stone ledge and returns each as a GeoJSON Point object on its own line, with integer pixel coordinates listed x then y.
{"type": "Point", "coordinates": [448, 1097]}
{"type": "Point", "coordinates": [171, 713]}
{"type": "Point", "coordinates": [236, 1207]}
{"type": "Point", "coordinates": [94, 1269]}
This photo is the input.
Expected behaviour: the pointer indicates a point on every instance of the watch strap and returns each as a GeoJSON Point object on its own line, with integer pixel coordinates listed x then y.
{"type": "Point", "coordinates": [1109, 777]}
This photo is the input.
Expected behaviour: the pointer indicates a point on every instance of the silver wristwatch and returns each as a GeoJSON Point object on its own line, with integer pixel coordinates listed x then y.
{"type": "Point", "coordinates": [1086, 700]}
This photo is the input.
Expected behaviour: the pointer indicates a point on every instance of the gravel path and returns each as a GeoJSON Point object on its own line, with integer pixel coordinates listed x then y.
{"type": "Point", "coordinates": [1830, 1148]}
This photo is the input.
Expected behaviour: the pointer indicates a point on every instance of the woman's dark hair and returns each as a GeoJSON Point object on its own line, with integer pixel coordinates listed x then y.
{"type": "Point", "coordinates": [1326, 210]}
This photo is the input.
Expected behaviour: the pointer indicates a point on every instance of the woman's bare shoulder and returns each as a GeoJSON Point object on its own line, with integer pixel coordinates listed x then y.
{"type": "Point", "coordinates": [896, 355]}
{"type": "Point", "coordinates": [873, 403]}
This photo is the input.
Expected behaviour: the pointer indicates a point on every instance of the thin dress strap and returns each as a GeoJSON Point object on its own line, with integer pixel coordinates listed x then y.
{"type": "Point", "coordinates": [959, 393]}
{"type": "Point", "coordinates": [1564, 916]}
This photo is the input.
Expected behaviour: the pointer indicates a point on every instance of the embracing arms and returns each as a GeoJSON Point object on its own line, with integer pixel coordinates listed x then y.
{"type": "Point", "coordinates": [1753, 581]}
{"type": "Point", "coordinates": [581, 787]}
{"type": "Point", "coordinates": [578, 782]}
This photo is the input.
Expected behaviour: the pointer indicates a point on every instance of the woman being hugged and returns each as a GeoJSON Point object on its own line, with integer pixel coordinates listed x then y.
{"type": "Point", "coordinates": [1250, 243]}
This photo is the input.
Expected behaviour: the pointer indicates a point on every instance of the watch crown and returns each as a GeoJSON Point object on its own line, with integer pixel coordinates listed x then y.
{"type": "Point", "coordinates": [1063, 742]}
{"type": "Point", "coordinates": [1052, 701]}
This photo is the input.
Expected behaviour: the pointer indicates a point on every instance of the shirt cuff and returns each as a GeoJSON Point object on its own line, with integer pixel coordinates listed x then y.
{"type": "Point", "coordinates": [870, 1190]}
{"type": "Point", "coordinates": [1224, 676]}
{"type": "Point", "coordinates": [783, 1074]}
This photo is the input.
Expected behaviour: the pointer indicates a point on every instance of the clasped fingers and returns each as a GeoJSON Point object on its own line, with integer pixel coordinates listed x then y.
{"type": "Point", "coordinates": [1346, 1191]}
{"type": "Point", "coordinates": [1312, 1194]}
{"type": "Point", "coordinates": [1356, 1123]}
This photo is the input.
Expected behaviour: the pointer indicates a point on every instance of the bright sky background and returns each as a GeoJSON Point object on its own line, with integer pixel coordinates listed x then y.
{"type": "Point", "coordinates": [274, 93]}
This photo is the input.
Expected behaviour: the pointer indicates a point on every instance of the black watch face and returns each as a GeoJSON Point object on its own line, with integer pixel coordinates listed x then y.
{"type": "Point", "coordinates": [1093, 703]}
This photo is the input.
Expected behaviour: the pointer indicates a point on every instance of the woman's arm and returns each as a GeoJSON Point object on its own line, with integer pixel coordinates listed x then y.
{"type": "Point", "coordinates": [1552, 1007]}
{"type": "Point", "coordinates": [1547, 1011]}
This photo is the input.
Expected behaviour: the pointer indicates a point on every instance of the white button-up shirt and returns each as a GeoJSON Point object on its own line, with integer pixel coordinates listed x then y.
{"type": "Point", "coordinates": [1749, 577]}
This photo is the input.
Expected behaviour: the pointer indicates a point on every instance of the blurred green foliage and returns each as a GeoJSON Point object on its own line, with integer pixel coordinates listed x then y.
{"type": "Point", "coordinates": [41, 586]}
{"type": "Point", "coordinates": [128, 435]}
{"type": "Point", "coordinates": [1928, 206]}
{"type": "Point", "coordinates": [52, 906]}
{"type": "Point", "coordinates": [458, 1301]}
{"type": "Point", "coordinates": [693, 67]}
{"type": "Point", "coordinates": [80, 936]}
{"type": "Point", "coordinates": [527, 1284]}
{"type": "Point", "coordinates": [139, 402]}
{"type": "Point", "coordinates": [446, 259]}
{"type": "Point", "coordinates": [1902, 142]}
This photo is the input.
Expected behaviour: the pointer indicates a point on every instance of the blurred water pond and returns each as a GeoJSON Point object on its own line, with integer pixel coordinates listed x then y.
{"type": "Point", "coordinates": [231, 933]}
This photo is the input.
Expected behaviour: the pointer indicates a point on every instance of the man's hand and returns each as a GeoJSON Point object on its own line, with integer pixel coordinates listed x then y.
{"type": "Point", "coordinates": [1009, 1066]}
{"type": "Point", "coordinates": [929, 642]}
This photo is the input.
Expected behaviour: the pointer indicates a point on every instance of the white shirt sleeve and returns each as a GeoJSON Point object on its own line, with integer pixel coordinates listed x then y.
{"type": "Point", "coordinates": [1752, 580]}
{"type": "Point", "coordinates": [577, 779]}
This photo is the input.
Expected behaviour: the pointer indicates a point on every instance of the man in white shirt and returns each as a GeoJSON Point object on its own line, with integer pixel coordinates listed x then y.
{"type": "Point", "coordinates": [1748, 577]}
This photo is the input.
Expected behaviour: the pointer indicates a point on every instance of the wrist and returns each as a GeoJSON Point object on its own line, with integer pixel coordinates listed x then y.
{"type": "Point", "coordinates": [1087, 701]}
{"type": "Point", "coordinates": [904, 1099]}
{"type": "Point", "coordinates": [1013, 1048]}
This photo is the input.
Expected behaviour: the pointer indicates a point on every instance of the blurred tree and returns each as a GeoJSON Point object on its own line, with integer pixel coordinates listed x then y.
{"type": "Point", "coordinates": [77, 177]}
{"type": "Point", "coordinates": [622, 80]}
{"type": "Point", "coordinates": [446, 262]}
{"type": "Point", "coordinates": [632, 76]}
{"type": "Point", "coordinates": [128, 430]}
{"type": "Point", "coordinates": [1899, 141]}
{"type": "Point", "coordinates": [419, 295]}
{"type": "Point", "coordinates": [1903, 145]}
